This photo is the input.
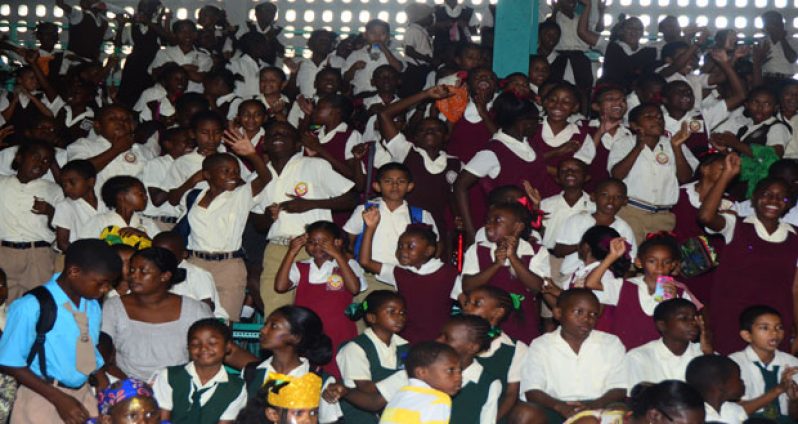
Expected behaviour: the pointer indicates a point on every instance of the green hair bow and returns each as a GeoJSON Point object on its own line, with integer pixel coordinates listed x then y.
{"type": "Point", "coordinates": [517, 299]}
{"type": "Point", "coordinates": [355, 310]}
{"type": "Point", "coordinates": [494, 332]}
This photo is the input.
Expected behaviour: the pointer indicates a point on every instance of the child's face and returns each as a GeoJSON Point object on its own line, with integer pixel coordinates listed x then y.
{"type": "Point", "coordinates": [632, 31]}
{"type": "Point", "coordinates": [179, 145]}
{"type": "Point", "coordinates": [771, 202]}
{"type": "Point", "coordinates": [186, 35]}
{"type": "Point", "coordinates": [458, 337]}
{"type": "Point", "coordinates": [767, 333]}
{"type": "Point", "coordinates": [280, 140]}
{"type": "Point", "coordinates": [500, 224]}
{"type": "Point", "coordinates": [734, 387]}
{"type": "Point", "coordinates": [391, 316]}
{"type": "Point", "coordinates": [657, 262]}
{"type": "Point", "coordinates": [89, 284]}
{"type": "Point", "coordinates": [394, 185]}
{"type": "Point", "coordinates": [271, 83]}
{"type": "Point", "coordinates": [570, 174]}
{"type": "Point", "coordinates": [138, 410]}
{"type": "Point", "coordinates": [482, 82]}
{"type": "Point", "coordinates": [319, 242]}
{"type": "Point", "coordinates": [324, 114]}
{"type": "Point", "coordinates": [549, 38]}
{"type": "Point", "coordinates": [649, 92]}
{"type": "Point", "coordinates": [609, 199]}
{"type": "Point", "coordinates": [321, 43]}
{"type": "Point", "coordinates": [669, 27]}
{"type": "Point", "coordinates": [208, 136]}
{"type": "Point", "coordinates": [413, 250]}
{"type": "Point", "coordinates": [560, 104]}
{"type": "Point", "coordinates": [612, 104]}
{"type": "Point", "coordinates": [650, 123]}
{"type": "Point", "coordinates": [45, 130]}
{"type": "Point", "coordinates": [34, 163]}
{"type": "Point", "coordinates": [251, 117]}
{"type": "Point", "coordinates": [114, 123]}
{"type": "Point", "coordinates": [789, 98]}
{"type": "Point", "coordinates": [539, 71]}
{"type": "Point", "coordinates": [276, 333]}
{"type": "Point", "coordinates": [578, 316]}
{"type": "Point", "coordinates": [146, 277]}
{"type": "Point", "coordinates": [326, 83]}
{"type": "Point", "coordinates": [292, 416]}
{"type": "Point", "coordinates": [28, 81]}
{"type": "Point", "coordinates": [518, 85]}
{"type": "Point", "coordinates": [761, 107]}
{"type": "Point", "coordinates": [47, 37]}
{"type": "Point", "coordinates": [469, 59]}
{"type": "Point", "coordinates": [430, 135]}
{"type": "Point", "coordinates": [385, 81]}
{"type": "Point", "coordinates": [74, 185]}
{"type": "Point", "coordinates": [680, 97]}
{"type": "Point", "coordinates": [207, 347]}
{"type": "Point", "coordinates": [445, 374]}
{"type": "Point", "coordinates": [681, 326]}
{"type": "Point", "coordinates": [176, 83]}
{"type": "Point", "coordinates": [135, 197]}
{"type": "Point", "coordinates": [225, 176]}
{"type": "Point", "coordinates": [377, 34]}
{"type": "Point", "coordinates": [480, 304]}
{"type": "Point", "coordinates": [265, 14]}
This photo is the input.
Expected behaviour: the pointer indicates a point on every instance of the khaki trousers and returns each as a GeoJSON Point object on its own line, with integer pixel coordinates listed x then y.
{"type": "Point", "coordinates": [31, 408]}
{"type": "Point", "coordinates": [230, 276]}
{"type": "Point", "coordinates": [644, 222]}
{"type": "Point", "coordinates": [26, 268]}
{"type": "Point", "coordinates": [272, 258]}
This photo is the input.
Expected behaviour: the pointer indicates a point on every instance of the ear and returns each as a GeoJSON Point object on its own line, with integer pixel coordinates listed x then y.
{"type": "Point", "coordinates": [638, 263]}
{"type": "Point", "coordinates": [557, 313]}
{"type": "Point", "coordinates": [376, 187]}
{"type": "Point", "coordinates": [166, 276]}
{"type": "Point", "coordinates": [206, 175]}
{"type": "Point", "coordinates": [746, 335]}
{"type": "Point", "coordinates": [272, 415]}
{"type": "Point", "coordinates": [430, 250]}
{"type": "Point", "coordinates": [338, 243]}
{"type": "Point", "coordinates": [410, 187]}
{"type": "Point", "coordinates": [370, 318]}
{"type": "Point", "coordinates": [517, 228]}
{"type": "Point", "coordinates": [660, 326]}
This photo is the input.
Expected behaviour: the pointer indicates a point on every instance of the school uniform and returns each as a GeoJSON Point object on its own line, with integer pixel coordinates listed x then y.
{"type": "Point", "coordinates": [199, 285]}
{"type": "Point", "coordinates": [339, 143]}
{"type": "Point", "coordinates": [730, 413]}
{"type": "Point", "coordinates": [506, 161]}
{"type": "Point", "coordinates": [623, 65]}
{"type": "Point", "coordinates": [426, 292]}
{"type": "Point", "coordinates": [322, 289]}
{"type": "Point", "coordinates": [269, 111]}
{"type": "Point", "coordinates": [196, 57]}
{"type": "Point", "coordinates": [575, 227]}
{"type": "Point", "coordinates": [275, 40]}
{"type": "Point", "coordinates": [755, 268]}
{"type": "Point", "coordinates": [791, 150]}
{"type": "Point", "coordinates": [504, 359]}
{"type": "Point", "coordinates": [8, 154]}
{"type": "Point", "coordinates": [154, 175]}
{"type": "Point", "coordinates": [418, 403]}
{"type": "Point", "coordinates": [130, 162]}
{"type": "Point", "coordinates": [228, 104]}
{"type": "Point", "coordinates": [760, 378]}
{"type": "Point", "coordinates": [295, 114]}
{"type": "Point", "coordinates": [415, 75]}
{"type": "Point", "coordinates": [95, 226]}
{"type": "Point", "coordinates": [595, 154]}
{"type": "Point", "coordinates": [446, 37]}
{"type": "Point", "coordinates": [777, 66]}
{"type": "Point", "coordinates": [248, 68]}
{"type": "Point", "coordinates": [558, 211]}
{"type": "Point", "coordinates": [744, 209]}
{"type": "Point", "coordinates": [25, 237]}
{"type": "Point", "coordinates": [66, 363]}
{"type": "Point", "coordinates": [733, 120]}
{"type": "Point", "coordinates": [303, 177]}
{"type": "Point", "coordinates": [182, 169]}
{"type": "Point", "coordinates": [608, 279]}
{"type": "Point", "coordinates": [469, 134]}
{"type": "Point", "coordinates": [164, 107]}
{"type": "Point", "coordinates": [73, 215]}
{"type": "Point", "coordinates": [370, 132]}
{"type": "Point", "coordinates": [75, 125]}
{"type": "Point", "coordinates": [552, 367]}
{"type": "Point", "coordinates": [366, 357]}
{"type": "Point", "coordinates": [361, 81]}
{"type": "Point", "coordinates": [87, 31]}
{"type": "Point", "coordinates": [698, 83]}
{"type": "Point", "coordinates": [570, 53]}
{"type": "Point", "coordinates": [306, 74]}
{"type": "Point", "coordinates": [652, 185]}
{"type": "Point", "coordinates": [522, 325]}
{"type": "Point", "coordinates": [699, 122]}
{"type": "Point", "coordinates": [478, 399]}
{"type": "Point", "coordinates": [770, 132]}
{"type": "Point", "coordinates": [543, 141]}
{"type": "Point", "coordinates": [134, 74]}
{"type": "Point", "coordinates": [653, 362]}
{"type": "Point", "coordinates": [220, 399]}
{"type": "Point", "coordinates": [25, 114]}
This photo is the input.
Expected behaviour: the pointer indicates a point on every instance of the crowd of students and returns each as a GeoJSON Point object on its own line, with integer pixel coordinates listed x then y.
{"type": "Point", "coordinates": [427, 242]}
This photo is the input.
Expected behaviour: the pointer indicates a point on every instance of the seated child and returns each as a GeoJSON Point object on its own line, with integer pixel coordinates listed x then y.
{"type": "Point", "coordinates": [271, 83]}
{"type": "Point", "coordinates": [68, 354]}
{"type": "Point", "coordinates": [218, 87]}
{"type": "Point", "coordinates": [768, 373]}
{"type": "Point", "coordinates": [294, 400]}
{"type": "Point", "coordinates": [435, 376]}
{"type": "Point", "coordinates": [201, 391]}
{"type": "Point", "coordinates": [125, 399]}
{"type": "Point", "coordinates": [667, 358]}
{"type": "Point", "coordinates": [575, 367]}
{"type": "Point", "coordinates": [125, 197]}
{"type": "Point", "coordinates": [718, 380]}
{"type": "Point", "coordinates": [43, 129]}
{"type": "Point", "coordinates": [158, 102]}
{"type": "Point", "coordinates": [81, 204]}
{"type": "Point", "coordinates": [571, 177]}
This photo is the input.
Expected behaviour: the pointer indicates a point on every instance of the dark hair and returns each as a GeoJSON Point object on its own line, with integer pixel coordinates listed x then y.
{"type": "Point", "coordinates": [520, 213]}
{"type": "Point", "coordinates": [183, 22]}
{"type": "Point", "coordinates": [172, 133]}
{"type": "Point", "coordinates": [223, 75]}
{"type": "Point", "coordinates": [660, 240]}
{"type": "Point", "coordinates": [669, 397]}
{"type": "Point", "coordinates": [610, 181]}
{"type": "Point", "coordinates": [564, 85]}
{"type": "Point", "coordinates": [327, 226]}
{"type": "Point", "coordinates": [93, 255]}
{"type": "Point", "coordinates": [501, 193]}
{"type": "Point", "coordinates": [280, 73]}
{"type": "Point", "coordinates": [478, 329]}
{"type": "Point", "coordinates": [598, 239]}
{"type": "Point", "coordinates": [499, 295]}
{"type": "Point", "coordinates": [673, 85]}
{"type": "Point", "coordinates": [710, 371]}
{"type": "Point", "coordinates": [213, 324]}
{"type": "Point", "coordinates": [424, 354]}
{"type": "Point", "coordinates": [751, 313]}
{"type": "Point", "coordinates": [313, 344]}
{"type": "Point", "coordinates": [168, 237]}
{"type": "Point", "coordinates": [206, 116]}
{"type": "Point", "coordinates": [637, 111]}
{"type": "Point", "coordinates": [509, 109]}
{"type": "Point", "coordinates": [165, 261]}
{"type": "Point", "coordinates": [761, 89]}
{"type": "Point", "coordinates": [187, 100]}
{"type": "Point", "coordinates": [648, 79]}
{"type": "Point", "coordinates": [783, 166]}
{"type": "Point", "coordinates": [386, 67]}
{"type": "Point", "coordinates": [378, 22]}
{"type": "Point", "coordinates": [115, 185]}
{"type": "Point", "coordinates": [549, 24]}
{"type": "Point", "coordinates": [108, 108]}
{"type": "Point", "coordinates": [669, 50]}
{"type": "Point", "coordinates": [604, 88]}
{"type": "Point", "coordinates": [167, 70]}
{"type": "Point", "coordinates": [269, 125]}
{"type": "Point", "coordinates": [120, 247]}
{"type": "Point", "coordinates": [461, 48]}
{"type": "Point", "coordinates": [667, 309]}
{"type": "Point", "coordinates": [394, 166]}
{"type": "Point", "coordinates": [766, 182]}
{"type": "Point", "coordinates": [709, 159]}
{"type": "Point", "coordinates": [374, 302]}
{"type": "Point", "coordinates": [252, 102]}
{"type": "Point", "coordinates": [421, 230]}
{"type": "Point", "coordinates": [250, 41]}
{"type": "Point", "coordinates": [340, 103]}
{"type": "Point", "coordinates": [573, 293]}
{"type": "Point", "coordinates": [3, 276]}
{"type": "Point", "coordinates": [216, 159]}
{"type": "Point", "coordinates": [31, 146]}
{"type": "Point", "coordinates": [329, 70]}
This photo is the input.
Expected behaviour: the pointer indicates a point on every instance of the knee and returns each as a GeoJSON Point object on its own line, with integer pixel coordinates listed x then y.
{"type": "Point", "coordinates": [524, 413]}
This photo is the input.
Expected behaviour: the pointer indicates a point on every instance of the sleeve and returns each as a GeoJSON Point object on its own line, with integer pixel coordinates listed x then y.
{"type": "Point", "coordinates": [470, 261]}
{"type": "Point", "coordinates": [437, 412]}
{"type": "Point", "coordinates": [64, 216]}
{"type": "Point", "coordinates": [204, 62]}
{"type": "Point", "coordinates": [587, 152]}
{"type": "Point", "coordinates": [615, 354]}
{"type": "Point", "coordinates": [235, 407]}
{"type": "Point", "coordinates": [79, 150]}
{"type": "Point", "coordinates": [539, 264]}
{"type": "Point", "coordinates": [688, 155]}
{"type": "Point", "coordinates": [354, 225]}
{"type": "Point", "coordinates": [161, 390]}
{"type": "Point", "coordinates": [205, 286]}
{"type": "Point", "coordinates": [353, 364]}
{"type": "Point", "coordinates": [157, 61]}
{"type": "Point", "coordinates": [490, 408]}
{"type": "Point", "coordinates": [387, 275]}
{"type": "Point", "coordinates": [110, 317]}
{"type": "Point", "coordinates": [412, 37]}
{"type": "Point", "coordinates": [354, 139]}
{"type": "Point", "coordinates": [619, 150]}
{"type": "Point", "coordinates": [533, 373]}
{"type": "Point", "coordinates": [54, 106]}
{"type": "Point", "coordinates": [484, 163]}
{"type": "Point", "coordinates": [20, 332]}
{"type": "Point", "coordinates": [360, 274]}
{"type": "Point", "coordinates": [474, 21]}
{"type": "Point", "coordinates": [517, 363]}
{"type": "Point", "coordinates": [389, 387]}
{"type": "Point", "coordinates": [611, 292]}
{"type": "Point", "coordinates": [728, 229]}
{"type": "Point", "coordinates": [778, 135]}
{"type": "Point", "coordinates": [294, 275]}
{"type": "Point", "coordinates": [632, 366]}
{"type": "Point", "coordinates": [399, 147]}
{"type": "Point", "coordinates": [329, 412]}
{"type": "Point", "coordinates": [714, 114]}
{"type": "Point", "coordinates": [426, 218]}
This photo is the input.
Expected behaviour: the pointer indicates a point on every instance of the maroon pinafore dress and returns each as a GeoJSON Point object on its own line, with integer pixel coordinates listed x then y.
{"type": "Point", "coordinates": [427, 301]}
{"type": "Point", "coordinates": [547, 186]}
{"type": "Point", "coordinates": [597, 170]}
{"type": "Point", "coordinates": [433, 191]}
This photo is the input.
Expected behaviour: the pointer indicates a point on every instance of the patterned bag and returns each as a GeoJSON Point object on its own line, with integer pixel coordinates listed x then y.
{"type": "Point", "coordinates": [698, 256]}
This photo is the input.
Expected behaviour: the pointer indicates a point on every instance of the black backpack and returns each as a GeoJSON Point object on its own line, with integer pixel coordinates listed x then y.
{"type": "Point", "coordinates": [47, 314]}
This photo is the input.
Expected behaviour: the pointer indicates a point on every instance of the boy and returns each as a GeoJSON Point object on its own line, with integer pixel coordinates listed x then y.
{"type": "Point", "coordinates": [360, 65]}
{"type": "Point", "coordinates": [782, 56]}
{"type": "Point", "coordinates": [54, 385]}
{"type": "Point", "coordinates": [681, 59]}
{"type": "Point", "coordinates": [667, 358]}
{"type": "Point", "coordinates": [576, 367]}
{"type": "Point", "coordinates": [717, 378]}
{"type": "Point", "coordinates": [571, 175]}
{"type": "Point", "coordinates": [321, 44]}
{"type": "Point", "coordinates": [328, 82]}
{"type": "Point", "coordinates": [435, 376]}
{"type": "Point", "coordinates": [418, 48]}
{"type": "Point", "coordinates": [196, 62]}
{"type": "Point", "coordinates": [81, 203]}
{"type": "Point", "coordinates": [175, 143]}
{"type": "Point", "coordinates": [767, 372]}
{"type": "Point", "coordinates": [264, 25]}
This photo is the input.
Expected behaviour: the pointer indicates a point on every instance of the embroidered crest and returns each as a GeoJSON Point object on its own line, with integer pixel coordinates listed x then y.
{"type": "Point", "coordinates": [662, 158]}
{"type": "Point", "coordinates": [301, 189]}
{"type": "Point", "coordinates": [335, 282]}
{"type": "Point", "coordinates": [130, 157]}
{"type": "Point", "coordinates": [695, 126]}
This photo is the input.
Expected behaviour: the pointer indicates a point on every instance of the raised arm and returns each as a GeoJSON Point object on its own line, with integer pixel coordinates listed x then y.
{"type": "Point", "coordinates": [583, 30]}
{"type": "Point", "coordinates": [388, 128]}
{"type": "Point", "coordinates": [238, 142]}
{"type": "Point", "coordinates": [371, 218]}
{"type": "Point", "coordinates": [282, 282]}
{"type": "Point", "coordinates": [708, 214]}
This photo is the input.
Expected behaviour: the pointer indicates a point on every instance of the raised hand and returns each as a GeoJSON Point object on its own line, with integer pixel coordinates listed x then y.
{"type": "Point", "coordinates": [731, 164]}
{"type": "Point", "coordinates": [238, 142]}
{"type": "Point", "coordinates": [297, 243]}
{"type": "Point", "coordinates": [439, 92]}
{"type": "Point", "coordinates": [617, 247]}
{"type": "Point", "coordinates": [371, 217]}
{"type": "Point", "coordinates": [532, 193]}
{"type": "Point", "coordinates": [681, 136]}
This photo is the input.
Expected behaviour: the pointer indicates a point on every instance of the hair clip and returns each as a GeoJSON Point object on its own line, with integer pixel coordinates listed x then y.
{"type": "Point", "coordinates": [353, 309]}
{"type": "Point", "coordinates": [537, 214]}
{"type": "Point", "coordinates": [517, 299]}
{"type": "Point", "coordinates": [456, 310]}
{"type": "Point", "coordinates": [494, 332]}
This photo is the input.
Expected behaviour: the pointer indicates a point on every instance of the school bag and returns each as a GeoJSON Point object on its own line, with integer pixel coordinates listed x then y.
{"type": "Point", "coordinates": [416, 217]}
{"type": "Point", "coordinates": [47, 314]}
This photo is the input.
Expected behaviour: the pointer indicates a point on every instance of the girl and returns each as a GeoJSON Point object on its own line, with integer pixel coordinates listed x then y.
{"type": "Point", "coordinates": [251, 116]}
{"type": "Point", "coordinates": [157, 103]}
{"type": "Point", "coordinates": [422, 279]}
{"type": "Point", "coordinates": [625, 59]}
{"type": "Point", "coordinates": [629, 306]}
{"type": "Point", "coordinates": [26, 103]}
{"type": "Point", "coordinates": [75, 113]}
{"type": "Point", "coordinates": [508, 159]}
{"type": "Point", "coordinates": [478, 399]}
{"type": "Point", "coordinates": [272, 83]}
{"type": "Point", "coordinates": [473, 130]}
{"type": "Point", "coordinates": [517, 83]}
{"type": "Point", "coordinates": [81, 204]}
{"type": "Point", "coordinates": [326, 282]}
{"type": "Point", "coordinates": [505, 356]}
{"type": "Point", "coordinates": [506, 260]}
{"type": "Point", "coordinates": [125, 198]}
{"type": "Point", "coordinates": [218, 88]}
{"type": "Point", "coordinates": [372, 357]}
{"type": "Point", "coordinates": [757, 265]}
{"type": "Point", "coordinates": [294, 336]}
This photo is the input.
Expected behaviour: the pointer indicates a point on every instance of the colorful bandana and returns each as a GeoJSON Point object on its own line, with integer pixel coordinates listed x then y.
{"type": "Point", "coordinates": [120, 391]}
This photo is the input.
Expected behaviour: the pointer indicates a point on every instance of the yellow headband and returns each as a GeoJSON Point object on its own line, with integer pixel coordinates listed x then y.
{"type": "Point", "coordinates": [289, 392]}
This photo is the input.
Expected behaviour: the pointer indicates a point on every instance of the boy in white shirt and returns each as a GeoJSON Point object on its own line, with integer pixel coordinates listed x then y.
{"type": "Point", "coordinates": [780, 63]}
{"type": "Point", "coordinates": [321, 44]}
{"type": "Point", "coordinates": [80, 205]}
{"type": "Point", "coordinates": [194, 61]}
{"type": "Point", "coordinates": [718, 380]}
{"type": "Point", "coordinates": [360, 65]}
{"type": "Point", "coordinates": [174, 143]}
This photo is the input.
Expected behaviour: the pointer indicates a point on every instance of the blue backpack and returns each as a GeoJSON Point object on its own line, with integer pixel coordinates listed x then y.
{"type": "Point", "coordinates": [416, 217]}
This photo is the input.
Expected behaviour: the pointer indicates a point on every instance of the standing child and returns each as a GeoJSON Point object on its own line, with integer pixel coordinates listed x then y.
{"type": "Point", "coordinates": [185, 54]}
{"type": "Point", "coordinates": [571, 176]}
{"type": "Point", "coordinates": [321, 44]}
{"type": "Point", "coordinates": [718, 380]}
{"type": "Point", "coordinates": [88, 28]}
{"type": "Point", "coordinates": [473, 127]}
{"type": "Point", "coordinates": [418, 48]}
{"type": "Point", "coordinates": [201, 391]}
{"type": "Point", "coordinates": [125, 198]}
{"type": "Point", "coordinates": [360, 65]}
{"type": "Point", "coordinates": [71, 356]}
{"type": "Point", "coordinates": [326, 282]}
{"type": "Point", "coordinates": [81, 204]}
{"type": "Point", "coordinates": [174, 143]}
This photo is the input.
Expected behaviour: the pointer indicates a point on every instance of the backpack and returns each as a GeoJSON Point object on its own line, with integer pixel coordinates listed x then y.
{"type": "Point", "coordinates": [183, 227]}
{"type": "Point", "coordinates": [416, 217]}
{"type": "Point", "coordinates": [47, 314]}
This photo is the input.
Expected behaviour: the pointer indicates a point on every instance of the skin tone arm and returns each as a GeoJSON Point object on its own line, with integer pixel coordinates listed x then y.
{"type": "Point", "coordinates": [392, 60]}
{"type": "Point", "coordinates": [680, 61]}
{"type": "Point", "coordinates": [371, 218]}
{"type": "Point", "coordinates": [66, 8]}
{"type": "Point", "coordinates": [481, 102]}
{"type": "Point", "coordinates": [31, 56]}
{"type": "Point", "coordinates": [176, 194]}
{"type": "Point", "coordinates": [62, 238]}
{"type": "Point", "coordinates": [118, 146]}
{"type": "Point", "coordinates": [345, 201]}
{"type": "Point", "coordinates": [282, 283]}
{"type": "Point", "coordinates": [388, 128]}
{"type": "Point", "coordinates": [484, 276]}
{"type": "Point", "coordinates": [622, 168]}
{"type": "Point", "coordinates": [683, 170]}
{"type": "Point", "coordinates": [708, 212]}
{"type": "Point", "coordinates": [157, 196]}
{"type": "Point", "coordinates": [240, 145]}
{"type": "Point", "coordinates": [462, 184]}
{"type": "Point", "coordinates": [785, 386]}
{"type": "Point", "coordinates": [582, 29]}
{"type": "Point", "coordinates": [527, 277]}
{"type": "Point", "coordinates": [617, 250]}
{"type": "Point", "coordinates": [508, 400]}
{"type": "Point", "coordinates": [737, 96]}
{"type": "Point", "coordinates": [69, 409]}
{"type": "Point", "coordinates": [411, 52]}
{"type": "Point", "coordinates": [360, 396]}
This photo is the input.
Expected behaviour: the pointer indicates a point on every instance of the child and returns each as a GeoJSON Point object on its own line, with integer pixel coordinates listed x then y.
{"type": "Point", "coordinates": [88, 28]}
{"type": "Point", "coordinates": [81, 204]}
{"type": "Point", "coordinates": [507, 261]}
{"type": "Point", "coordinates": [26, 103]}
{"type": "Point", "coordinates": [474, 126]}
{"type": "Point", "coordinates": [360, 65]}
{"type": "Point", "coordinates": [651, 159]}
{"type": "Point", "coordinates": [326, 282]}
{"type": "Point", "coordinates": [294, 400]}
{"type": "Point", "coordinates": [386, 81]}
{"type": "Point", "coordinates": [647, 89]}
{"type": "Point", "coordinates": [718, 380]}
{"type": "Point", "coordinates": [158, 102]}
{"type": "Point", "coordinates": [125, 198]}
{"type": "Point", "coordinates": [202, 390]}
{"type": "Point", "coordinates": [787, 170]}
{"type": "Point", "coordinates": [75, 112]}
{"type": "Point", "coordinates": [218, 87]}
{"type": "Point", "coordinates": [369, 362]}
{"type": "Point", "coordinates": [265, 26]}
{"type": "Point", "coordinates": [625, 59]}
{"type": "Point", "coordinates": [174, 143]}
{"type": "Point", "coordinates": [247, 65]}
{"type": "Point", "coordinates": [26, 215]}
{"type": "Point", "coordinates": [505, 356]}
{"type": "Point", "coordinates": [773, 245]}
{"type": "Point", "coordinates": [571, 176]}
{"type": "Point", "coordinates": [422, 279]}
{"type": "Point", "coordinates": [251, 116]}
{"type": "Point", "coordinates": [321, 44]}
{"type": "Point", "coordinates": [90, 266]}
{"type": "Point", "coordinates": [121, 286]}
{"type": "Point", "coordinates": [678, 322]}
{"type": "Point", "coordinates": [272, 82]}
{"type": "Point", "coordinates": [196, 62]}
{"type": "Point", "coordinates": [127, 398]}
{"type": "Point", "coordinates": [575, 367]}
{"type": "Point", "coordinates": [328, 82]}
{"type": "Point", "coordinates": [770, 390]}
{"type": "Point", "coordinates": [418, 48]}
{"type": "Point", "coordinates": [538, 73]}
{"type": "Point", "coordinates": [435, 376]}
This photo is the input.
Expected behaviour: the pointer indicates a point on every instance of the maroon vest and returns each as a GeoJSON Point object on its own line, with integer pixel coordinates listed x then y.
{"type": "Point", "coordinates": [698, 143]}
{"type": "Point", "coordinates": [546, 185]}
{"type": "Point", "coordinates": [513, 168]}
{"type": "Point", "coordinates": [467, 139]}
{"type": "Point", "coordinates": [597, 170]}
{"type": "Point", "coordinates": [427, 301]}
{"type": "Point", "coordinates": [433, 191]}
{"type": "Point", "coordinates": [86, 37]}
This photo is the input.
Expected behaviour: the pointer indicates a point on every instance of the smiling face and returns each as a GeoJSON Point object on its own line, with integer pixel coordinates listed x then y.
{"type": "Point", "coordinates": [771, 202]}
{"type": "Point", "coordinates": [612, 104]}
{"type": "Point", "coordinates": [761, 106]}
{"type": "Point", "coordinates": [632, 32]}
{"type": "Point", "coordinates": [327, 82]}
{"type": "Point", "coordinates": [280, 141]}
{"type": "Point", "coordinates": [385, 80]}
{"type": "Point", "coordinates": [539, 71]}
{"type": "Point", "coordinates": [482, 82]}
{"type": "Point", "coordinates": [679, 97]}
{"type": "Point", "coordinates": [224, 176]}
{"type": "Point", "coordinates": [251, 116]}
{"type": "Point", "coordinates": [609, 198]}
{"type": "Point", "coordinates": [176, 82]}
{"type": "Point", "coordinates": [207, 347]}
{"type": "Point", "coordinates": [571, 174]}
{"type": "Point", "coordinates": [271, 82]}
{"type": "Point", "coordinates": [186, 35]}
{"type": "Point", "coordinates": [430, 134]}
{"type": "Point", "coordinates": [559, 104]}
{"type": "Point", "coordinates": [789, 100]}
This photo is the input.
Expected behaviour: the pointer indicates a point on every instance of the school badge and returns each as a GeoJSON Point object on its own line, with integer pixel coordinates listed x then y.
{"type": "Point", "coordinates": [335, 282]}
{"type": "Point", "coordinates": [301, 189]}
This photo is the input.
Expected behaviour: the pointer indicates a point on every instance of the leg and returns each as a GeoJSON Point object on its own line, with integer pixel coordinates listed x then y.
{"type": "Point", "coordinates": [230, 279]}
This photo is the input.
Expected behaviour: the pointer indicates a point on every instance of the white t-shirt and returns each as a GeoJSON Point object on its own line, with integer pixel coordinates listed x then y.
{"type": "Point", "coordinates": [653, 362]}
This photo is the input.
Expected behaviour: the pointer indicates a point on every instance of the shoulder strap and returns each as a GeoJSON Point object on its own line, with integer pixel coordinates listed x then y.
{"type": "Point", "coordinates": [47, 314]}
{"type": "Point", "coordinates": [253, 378]}
{"type": "Point", "coordinates": [183, 227]}
{"type": "Point", "coordinates": [416, 215]}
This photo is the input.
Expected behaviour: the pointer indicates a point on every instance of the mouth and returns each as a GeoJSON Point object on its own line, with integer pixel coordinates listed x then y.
{"type": "Point", "coordinates": [773, 343]}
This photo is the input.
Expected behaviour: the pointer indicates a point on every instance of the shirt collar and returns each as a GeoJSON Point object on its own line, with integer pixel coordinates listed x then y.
{"type": "Point", "coordinates": [225, 98]}
{"type": "Point", "coordinates": [627, 48]}
{"type": "Point", "coordinates": [219, 377]}
{"type": "Point", "coordinates": [561, 138]}
{"type": "Point", "coordinates": [496, 344]}
{"type": "Point", "coordinates": [453, 12]}
{"type": "Point", "coordinates": [395, 339]}
{"type": "Point", "coordinates": [472, 373]}
{"type": "Point", "coordinates": [778, 236]}
{"type": "Point", "coordinates": [520, 148]}
{"type": "Point", "coordinates": [434, 166]}
{"type": "Point", "coordinates": [60, 297]}
{"type": "Point", "coordinates": [471, 113]}
{"type": "Point", "coordinates": [427, 268]}
{"type": "Point", "coordinates": [326, 137]}
{"type": "Point", "coordinates": [302, 369]}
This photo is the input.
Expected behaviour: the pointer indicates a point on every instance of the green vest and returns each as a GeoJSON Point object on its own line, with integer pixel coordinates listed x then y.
{"type": "Point", "coordinates": [467, 404]}
{"type": "Point", "coordinates": [180, 382]}
{"type": "Point", "coordinates": [353, 414]}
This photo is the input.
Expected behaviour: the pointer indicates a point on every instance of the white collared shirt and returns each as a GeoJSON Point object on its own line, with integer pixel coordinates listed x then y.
{"type": "Point", "coordinates": [392, 224]}
{"type": "Point", "coordinates": [17, 221]}
{"type": "Point", "coordinates": [306, 75]}
{"type": "Point", "coordinates": [609, 282]}
{"type": "Point", "coordinates": [398, 147]}
{"type": "Point", "coordinates": [153, 176]}
{"type": "Point", "coordinates": [653, 362]}
{"type": "Point", "coordinates": [156, 93]}
{"type": "Point", "coordinates": [94, 227]}
{"type": "Point", "coordinates": [361, 82]}
{"type": "Point", "coordinates": [558, 211]}
{"type": "Point", "coordinates": [195, 57]}
{"type": "Point", "coordinates": [562, 137]}
{"type": "Point", "coordinates": [387, 275]}
{"type": "Point", "coordinates": [8, 154]}
{"type": "Point", "coordinates": [354, 365]}
{"type": "Point", "coordinates": [248, 69]}
{"type": "Point", "coordinates": [575, 226]}
{"type": "Point", "coordinates": [163, 391]}
{"type": "Point", "coordinates": [752, 376]}
{"type": "Point", "coordinates": [353, 140]}
{"type": "Point", "coordinates": [72, 215]}
{"type": "Point", "coordinates": [777, 236]}
{"type": "Point", "coordinates": [554, 368]}
{"type": "Point", "coordinates": [486, 163]}
{"type": "Point", "coordinates": [219, 226]}
{"type": "Point", "coordinates": [648, 301]}
{"type": "Point", "coordinates": [181, 170]}
{"type": "Point", "coordinates": [199, 285]}
{"type": "Point", "coordinates": [234, 101]}
{"type": "Point", "coordinates": [587, 152]}
{"type": "Point", "coordinates": [321, 275]}
{"type": "Point", "coordinates": [130, 162]}
{"type": "Point", "coordinates": [419, 39]}
{"type": "Point", "coordinates": [778, 133]}
{"type": "Point", "coordinates": [730, 413]}
{"type": "Point", "coordinates": [695, 199]}
{"type": "Point", "coordinates": [569, 39]}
